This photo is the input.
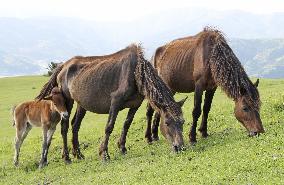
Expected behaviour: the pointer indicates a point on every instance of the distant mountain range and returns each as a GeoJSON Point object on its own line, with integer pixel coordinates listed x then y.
{"type": "Point", "coordinates": [28, 45]}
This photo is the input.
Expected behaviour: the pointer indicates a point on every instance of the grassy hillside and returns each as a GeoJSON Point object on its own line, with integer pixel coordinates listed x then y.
{"type": "Point", "coordinates": [228, 156]}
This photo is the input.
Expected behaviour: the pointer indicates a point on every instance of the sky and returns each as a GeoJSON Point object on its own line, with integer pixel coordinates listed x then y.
{"type": "Point", "coordinates": [126, 10]}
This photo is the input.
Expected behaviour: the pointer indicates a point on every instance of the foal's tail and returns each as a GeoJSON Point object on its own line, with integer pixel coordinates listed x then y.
{"type": "Point", "coordinates": [46, 90]}
{"type": "Point", "coordinates": [13, 113]}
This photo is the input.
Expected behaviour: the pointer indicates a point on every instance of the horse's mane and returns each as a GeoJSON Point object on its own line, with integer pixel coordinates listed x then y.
{"type": "Point", "coordinates": [153, 88]}
{"type": "Point", "coordinates": [227, 70]}
{"type": "Point", "coordinates": [47, 88]}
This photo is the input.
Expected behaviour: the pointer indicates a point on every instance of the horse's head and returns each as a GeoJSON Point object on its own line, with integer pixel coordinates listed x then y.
{"type": "Point", "coordinates": [247, 114]}
{"type": "Point", "coordinates": [171, 127]}
{"type": "Point", "coordinates": [58, 100]}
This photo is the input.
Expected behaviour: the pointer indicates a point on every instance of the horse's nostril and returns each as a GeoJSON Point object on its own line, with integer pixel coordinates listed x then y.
{"type": "Point", "coordinates": [251, 134]}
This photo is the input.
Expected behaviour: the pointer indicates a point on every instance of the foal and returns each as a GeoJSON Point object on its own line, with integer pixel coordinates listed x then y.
{"type": "Point", "coordinates": [45, 114]}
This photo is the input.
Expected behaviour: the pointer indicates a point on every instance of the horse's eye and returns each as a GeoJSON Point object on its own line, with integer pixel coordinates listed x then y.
{"type": "Point", "coordinates": [245, 109]}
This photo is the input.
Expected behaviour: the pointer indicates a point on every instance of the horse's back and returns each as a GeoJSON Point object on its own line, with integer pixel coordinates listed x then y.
{"type": "Point", "coordinates": [95, 83]}
{"type": "Point", "coordinates": [183, 62]}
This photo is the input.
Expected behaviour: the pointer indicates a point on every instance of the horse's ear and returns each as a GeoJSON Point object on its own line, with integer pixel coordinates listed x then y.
{"type": "Point", "coordinates": [256, 83]}
{"type": "Point", "coordinates": [181, 102]}
{"type": "Point", "coordinates": [48, 98]}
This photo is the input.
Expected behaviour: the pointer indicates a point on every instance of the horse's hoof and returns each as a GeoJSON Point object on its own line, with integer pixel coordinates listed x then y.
{"type": "Point", "coordinates": [42, 164]}
{"type": "Point", "coordinates": [192, 142]}
{"type": "Point", "coordinates": [204, 134]}
{"type": "Point", "coordinates": [78, 155]}
{"type": "Point", "coordinates": [149, 140]}
{"type": "Point", "coordinates": [123, 150]}
{"type": "Point", "coordinates": [16, 163]}
{"type": "Point", "coordinates": [105, 157]}
{"type": "Point", "coordinates": [156, 138]}
{"type": "Point", "coordinates": [67, 160]}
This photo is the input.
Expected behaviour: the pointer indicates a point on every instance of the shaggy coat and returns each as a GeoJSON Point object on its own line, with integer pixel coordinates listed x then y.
{"type": "Point", "coordinates": [108, 84]}
{"type": "Point", "coordinates": [202, 63]}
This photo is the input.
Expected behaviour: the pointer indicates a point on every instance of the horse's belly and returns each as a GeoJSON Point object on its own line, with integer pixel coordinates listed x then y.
{"type": "Point", "coordinates": [97, 104]}
{"type": "Point", "coordinates": [179, 83]}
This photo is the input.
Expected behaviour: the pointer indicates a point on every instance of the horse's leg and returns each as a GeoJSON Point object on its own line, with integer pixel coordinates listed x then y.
{"type": "Point", "coordinates": [196, 112]}
{"type": "Point", "coordinates": [206, 108]}
{"type": "Point", "coordinates": [149, 115]}
{"type": "Point", "coordinates": [116, 103]}
{"type": "Point", "coordinates": [76, 123]}
{"type": "Point", "coordinates": [155, 127]}
{"type": "Point", "coordinates": [44, 146]}
{"type": "Point", "coordinates": [50, 133]}
{"type": "Point", "coordinates": [127, 123]}
{"type": "Point", "coordinates": [64, 131]}
{"type": "Point", "coordinates": [21, 134]}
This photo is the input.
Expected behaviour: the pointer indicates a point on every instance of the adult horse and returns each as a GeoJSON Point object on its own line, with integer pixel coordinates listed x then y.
{"type": "Point", "coordinates": [202, 63]}
{"type": "Point", "coordinates": [108, 84]}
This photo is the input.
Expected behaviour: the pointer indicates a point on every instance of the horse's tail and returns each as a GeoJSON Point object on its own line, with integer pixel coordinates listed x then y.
{"type": "Point", "coordinates": [46, 90]}
{"type": "Point", "coordinates": [13, 115]}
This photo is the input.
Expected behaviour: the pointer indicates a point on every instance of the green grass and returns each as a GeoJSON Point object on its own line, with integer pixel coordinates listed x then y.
{"type": "Point", "coordinates": [227, 156]}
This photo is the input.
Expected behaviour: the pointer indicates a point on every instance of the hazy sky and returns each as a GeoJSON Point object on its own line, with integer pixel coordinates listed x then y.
{"type": "Point", "coordinates": [113, 10]}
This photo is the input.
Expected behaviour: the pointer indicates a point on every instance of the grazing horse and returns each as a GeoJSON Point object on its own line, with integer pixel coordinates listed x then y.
{"type": "Point", "coordinates": [202, 63]}
{"type": "Point", "coordinates": [108, 84]}
{"type": "Point", "coordinates": [45, 114]}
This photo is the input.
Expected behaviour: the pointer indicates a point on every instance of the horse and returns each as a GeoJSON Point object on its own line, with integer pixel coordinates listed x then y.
{"type": "Point", "coordinates": [108, 84]}
{"type": "Point", "coordinates": [202, 63]}
{"type": "Point", "coordinates": [45, 114]}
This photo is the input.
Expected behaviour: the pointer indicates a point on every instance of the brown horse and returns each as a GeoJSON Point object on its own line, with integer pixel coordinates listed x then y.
{"type": "Point", "coordinates": [201, 63]}
{"type": "Point", "coordinates": [108, 84]}
{"type": "Point", "coordinates": [45, 114]}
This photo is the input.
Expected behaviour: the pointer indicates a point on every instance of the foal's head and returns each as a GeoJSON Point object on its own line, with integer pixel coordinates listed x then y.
{"type": "Point", "coordinates": [172, 126]}
{"type": "Point", "coordinates": [58, 101]}
{"type": "Point", "coordinates": [248, 114]}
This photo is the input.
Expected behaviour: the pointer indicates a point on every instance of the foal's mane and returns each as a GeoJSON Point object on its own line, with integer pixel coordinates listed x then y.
{"type": "Point", "coordinates": [153, 88]}
{"type": "Point", "coordinates": [227, 70]}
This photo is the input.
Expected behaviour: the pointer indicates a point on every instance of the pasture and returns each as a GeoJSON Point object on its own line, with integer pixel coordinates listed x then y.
{"type": "Point", "coordinates": [227, 156]}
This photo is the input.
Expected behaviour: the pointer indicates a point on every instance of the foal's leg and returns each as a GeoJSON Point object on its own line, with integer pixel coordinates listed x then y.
{"type": "Point", "coordinates": [64, 131]}
{"type": "Point", "coordinates": [155, 127]}
{"type": "Point", "coordinates": [21, 134]}
{"type": "Point", "coordinates": [195, 113]}
{"type": "Point", "coordinates": [127, 123]}
{"type": "Point", "coordinates": [114, 109]}
{"type": "Point", "coordinates": [76, 123]}
{"type": "Point", "coordinates": [149, 115]}
{"type": "Point", "coordinates": [44, 147]}
{"type": "Point", "coordinates": [50, 133]}
{"type": "Point", "coordinates": [206, 108]}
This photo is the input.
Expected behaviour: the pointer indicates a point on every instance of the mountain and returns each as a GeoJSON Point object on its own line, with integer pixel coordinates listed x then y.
{"type": "Point", "coordinates": [28, 45]}
{"type": "Point", "coordinates": [261, 57]}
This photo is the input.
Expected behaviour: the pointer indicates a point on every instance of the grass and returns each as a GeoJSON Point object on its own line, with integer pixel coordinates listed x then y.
{"type": "Point", "coordinates": [227, 156]}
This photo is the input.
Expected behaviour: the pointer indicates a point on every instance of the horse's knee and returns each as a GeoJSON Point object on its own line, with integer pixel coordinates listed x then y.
{"type": "Point", "coordinates": [196, 112]}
